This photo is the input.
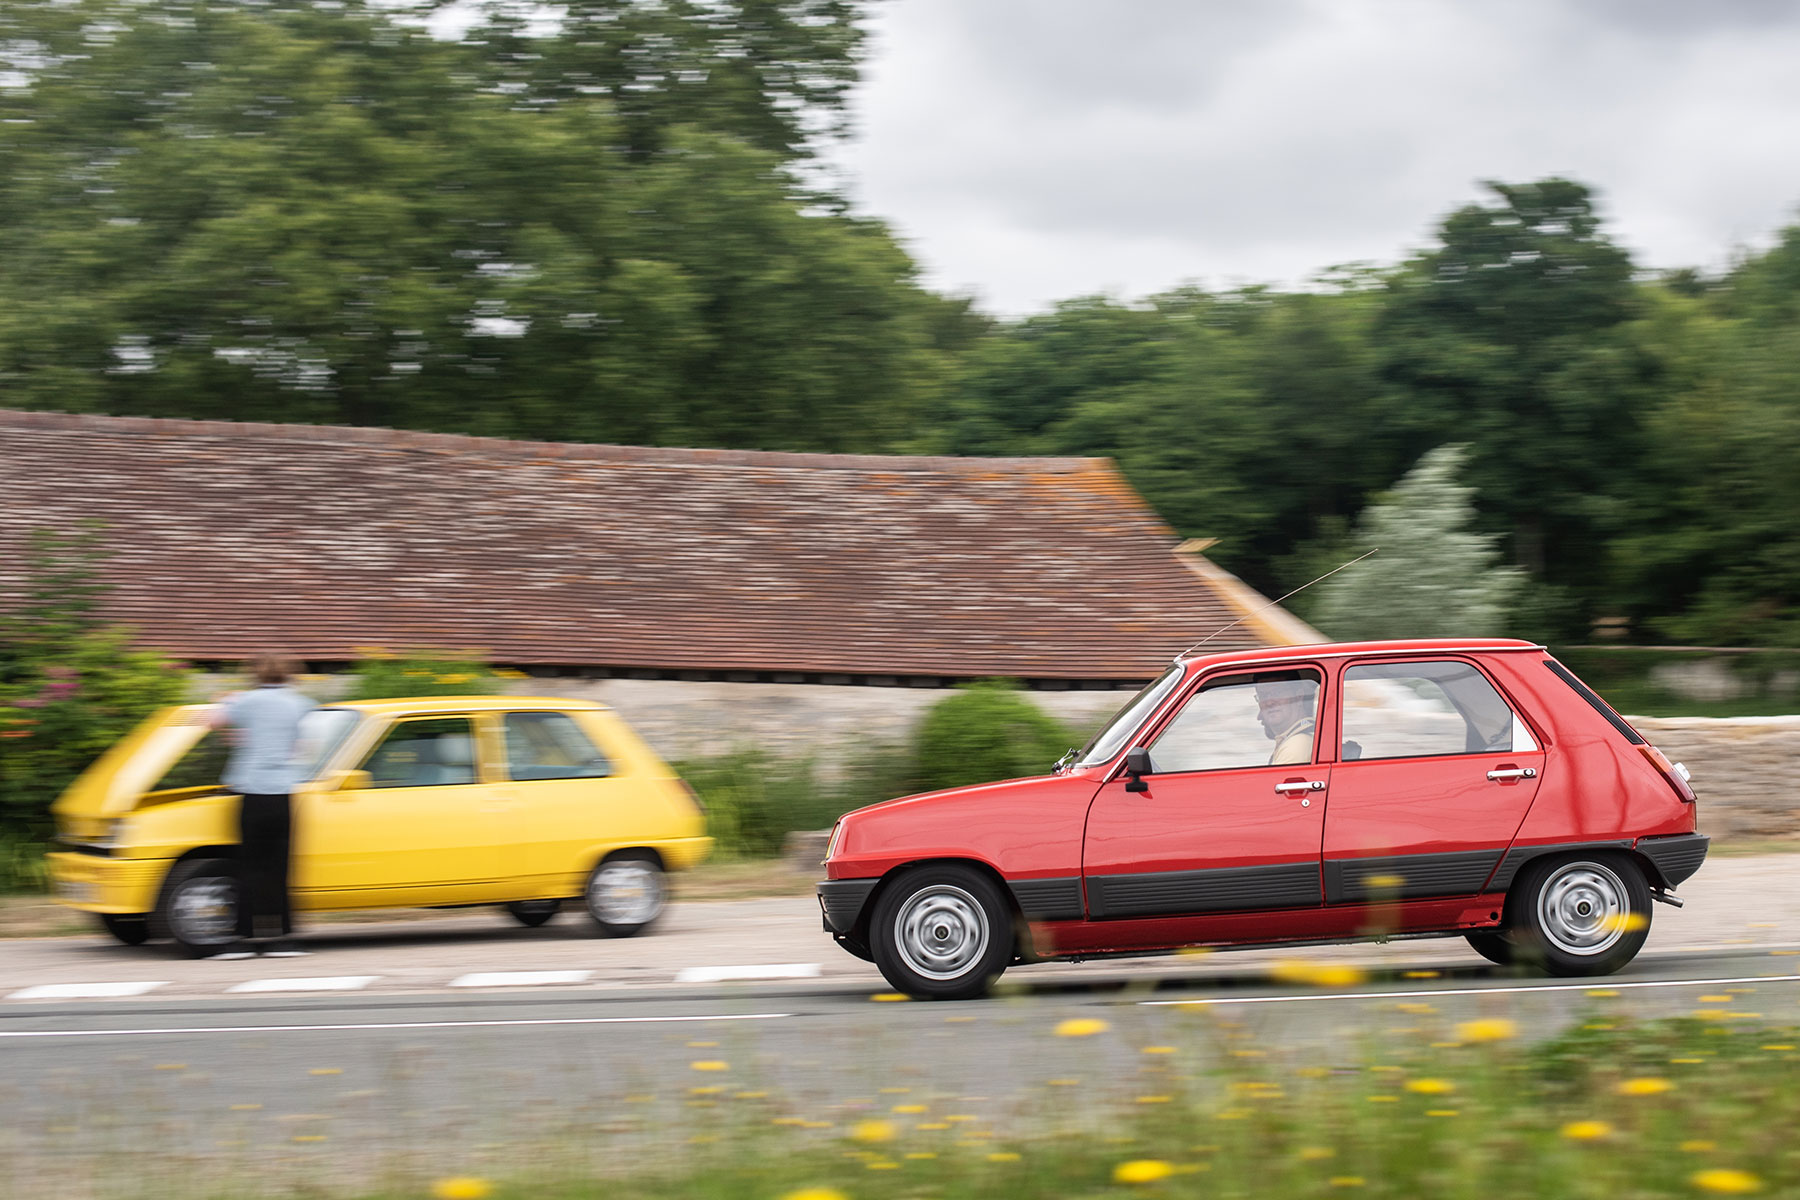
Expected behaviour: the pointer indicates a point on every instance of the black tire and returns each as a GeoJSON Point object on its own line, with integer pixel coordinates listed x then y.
{"type": "Point", "coordinates": [941, 932]}
{"type": "Point", "coordinates": [198, 906]}
{"type": "Point", "coordinates": [1497, 948]}
{"type": "Point", "coordinates": [1579, 914]}
{"type": "Point", "coordinates": [532, 913]}
{"type": "Point", "coordinates": [626, 893]}
{"type": "Point", "coordinates": [133, 929]}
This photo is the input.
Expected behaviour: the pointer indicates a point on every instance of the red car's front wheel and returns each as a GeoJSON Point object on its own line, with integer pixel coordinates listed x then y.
{"type": "Point", "coordinates": [941, 932]}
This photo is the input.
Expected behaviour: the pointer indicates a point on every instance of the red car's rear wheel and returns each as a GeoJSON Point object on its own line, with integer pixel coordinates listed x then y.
{"type": "Point", "coordinates": [1579, 914]}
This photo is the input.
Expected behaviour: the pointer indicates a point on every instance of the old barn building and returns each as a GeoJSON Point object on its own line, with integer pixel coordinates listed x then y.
{"type": "Point", "coordinates": [710, 594]}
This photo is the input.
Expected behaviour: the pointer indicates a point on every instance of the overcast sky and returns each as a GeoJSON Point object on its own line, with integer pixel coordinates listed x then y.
{"type": "Point", "coordinates": [1029, 151]}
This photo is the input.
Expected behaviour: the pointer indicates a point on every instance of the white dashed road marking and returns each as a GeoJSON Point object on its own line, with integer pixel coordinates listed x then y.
{"type": "Point", "coordinates": [241, 1029]}
{"type": "Point", "coordinates": [86, 991]}
{"type": "Point", "coordinates": [1597, 983]}
{"type": "Point", "coordinates": [727, 974]}
{"type": "Point", "coordinates": [518, 978]}
{"type": "Point", "coordinates": [319, 983]}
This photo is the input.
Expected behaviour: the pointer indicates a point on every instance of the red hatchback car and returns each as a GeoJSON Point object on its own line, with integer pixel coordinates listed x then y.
{"type": "Point", "coordinates": [1471, 788]}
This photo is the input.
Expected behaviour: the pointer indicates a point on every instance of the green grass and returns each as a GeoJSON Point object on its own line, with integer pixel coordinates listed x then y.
{"type": "Point", "coordinates": [1421, 1112]}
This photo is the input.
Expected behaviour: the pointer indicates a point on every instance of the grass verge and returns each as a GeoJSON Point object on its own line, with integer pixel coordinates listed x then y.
{"type": "Point", "coordinates": [1682, 1107]}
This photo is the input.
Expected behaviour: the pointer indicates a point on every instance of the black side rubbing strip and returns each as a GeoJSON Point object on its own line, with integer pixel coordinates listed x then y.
{"type": "Point", "coordinates": [1217, 889]}
{"type": "Point", "coordinates": [1407, 876]}
{"type": "Point", "coordinates": [1518, 856]}
{"type": "Point", "coordinates": [1048, 899]}
{"type": "Point", "coordinates": [1600, 706]}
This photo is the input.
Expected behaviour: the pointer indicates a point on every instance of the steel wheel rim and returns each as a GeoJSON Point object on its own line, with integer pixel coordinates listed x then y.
{"type": "Point", "coordinates": [1583, 908]}
{"type": "Point", "coordinates": [203, 912]}
{"type": "Point", "coordinates": [941, 931]}
{"type": "Point", "coordinates": [627, 892]}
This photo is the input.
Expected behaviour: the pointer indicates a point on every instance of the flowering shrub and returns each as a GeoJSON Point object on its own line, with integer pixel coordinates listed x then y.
{"type": "Point", "coordinates": [70, 685]}
{"type": "Point", "coordinates": [384, 676]}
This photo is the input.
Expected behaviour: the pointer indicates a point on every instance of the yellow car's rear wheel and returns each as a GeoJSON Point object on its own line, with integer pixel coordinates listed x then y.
{"type": "Point", "coordinates": [626, 893]}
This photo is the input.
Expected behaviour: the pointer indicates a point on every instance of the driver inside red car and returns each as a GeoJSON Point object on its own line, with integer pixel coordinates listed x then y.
{"type": "Point", "coordinates": [1285, 708]}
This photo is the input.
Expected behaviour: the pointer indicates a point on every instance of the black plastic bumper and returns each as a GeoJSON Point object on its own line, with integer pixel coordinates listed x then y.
{"type": "Point", "coordinates": [841, 902]}
{"type": "Point", "coordinates": [1675, 858]}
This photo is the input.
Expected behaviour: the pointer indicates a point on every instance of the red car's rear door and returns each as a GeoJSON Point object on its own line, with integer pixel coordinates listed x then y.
{"type": "Point", "coordinates": [1436, 771]}
{"type": "Point", "coordinates": [1232, 811]}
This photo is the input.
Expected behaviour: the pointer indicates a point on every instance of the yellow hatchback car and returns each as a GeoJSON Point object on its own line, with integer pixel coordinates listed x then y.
{"type": "Point", "coordinates": [446, 801]}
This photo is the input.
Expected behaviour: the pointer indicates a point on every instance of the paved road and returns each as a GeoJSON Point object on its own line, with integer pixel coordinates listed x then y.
{"type": "Point", "coordinates": [406, 1067]}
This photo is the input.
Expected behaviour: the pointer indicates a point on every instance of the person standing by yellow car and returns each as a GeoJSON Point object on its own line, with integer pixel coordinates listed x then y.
{"type": "Point", "coordinates": [265, 726]}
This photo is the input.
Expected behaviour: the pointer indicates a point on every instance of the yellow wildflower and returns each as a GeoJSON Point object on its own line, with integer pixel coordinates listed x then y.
{"type": "Point", "coordinates": [1142, 1170]}
{"type": "Point", "coordinates": [1648, 1085]}
{"type": "Point", "coordinates": [1727, 1180]}
{"type": "Point", "coordinates": [1003, 1156]}
{"type": "Point", "coordinates": [461, 1187]}
{"type": "Point", "coordinates": [1430, 1087]}
{"type": "Point", "coordinates": [873, 1131]}
{"type": "Point", "coordinates": [710, 1064]}
{"type": "Point", "coordinates": [1492, 1029]}
{"type": "Point", "coordinates": [824, 1193]}
{"type": "Point", "coordinates": [1587, 1131]}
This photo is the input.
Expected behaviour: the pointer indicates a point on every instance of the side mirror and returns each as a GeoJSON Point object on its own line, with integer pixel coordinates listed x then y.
{"type": "Point", "coordinates": [354, 781]}
{"type": "Point", "coordinates": [1137, 765]}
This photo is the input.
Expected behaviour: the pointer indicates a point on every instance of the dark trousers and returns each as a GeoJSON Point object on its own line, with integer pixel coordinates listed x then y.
{"type": "Point", "coordinates": [265, 837]}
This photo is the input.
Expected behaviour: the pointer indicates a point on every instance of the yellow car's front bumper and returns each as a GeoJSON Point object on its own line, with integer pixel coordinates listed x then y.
{"type": "Point", "coordinates": [96, 883]}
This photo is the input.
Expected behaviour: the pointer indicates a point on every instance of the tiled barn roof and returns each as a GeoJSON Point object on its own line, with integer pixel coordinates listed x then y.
{"type": "Point", "coordinates": [227, 538]}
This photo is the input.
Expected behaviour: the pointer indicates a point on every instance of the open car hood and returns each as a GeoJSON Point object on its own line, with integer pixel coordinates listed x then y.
{"type": "Point", "coordinates": [116, 781]}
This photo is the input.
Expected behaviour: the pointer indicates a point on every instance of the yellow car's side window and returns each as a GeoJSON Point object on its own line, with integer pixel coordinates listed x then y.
{"type": "Point", "coordinates": [433, 753]}
{"type": "Point", "coordinates": [545, 745]}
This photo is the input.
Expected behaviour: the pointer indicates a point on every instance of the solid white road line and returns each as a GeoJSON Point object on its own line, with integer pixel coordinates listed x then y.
{"type": "Point", "coordinates": [86, 991]}
{"type": "Point", "coordinates": [1599, 983]}
{"type": "Point", "coordinates": [317, 983]}
{"type": "Point", "coordinates": [518, 978]}
{"type": "Point", "coordinates": [242, 1029]}
{"type": "Point", "coordinates": [726, 974]}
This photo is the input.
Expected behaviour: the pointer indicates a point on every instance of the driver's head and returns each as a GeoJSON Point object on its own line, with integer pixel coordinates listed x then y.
{"type": "Point", "coordinates": [1281, 702]}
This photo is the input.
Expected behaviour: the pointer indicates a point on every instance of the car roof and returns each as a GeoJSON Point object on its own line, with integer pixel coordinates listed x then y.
{"type": "Point", "coordinates": [1346, 649]}
{"type": "Point", "coordinates": [413, 705]}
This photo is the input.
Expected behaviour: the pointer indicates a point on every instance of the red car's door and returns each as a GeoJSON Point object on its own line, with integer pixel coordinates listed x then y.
{"type": "Point", "coordinates": [1231, 813]}
{"type": "Point", "coordinates": [1435, 774]}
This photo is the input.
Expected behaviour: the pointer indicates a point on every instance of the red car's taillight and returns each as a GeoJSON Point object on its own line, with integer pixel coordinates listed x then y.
{"type": "Point", "coordinates": [1673, 772]}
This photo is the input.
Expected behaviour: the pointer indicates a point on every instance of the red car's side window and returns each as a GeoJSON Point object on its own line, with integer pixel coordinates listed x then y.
{"type": "Point", "coordinates": [1260, 719]}
{"type": "Point", "coordinates": [1420, 708]}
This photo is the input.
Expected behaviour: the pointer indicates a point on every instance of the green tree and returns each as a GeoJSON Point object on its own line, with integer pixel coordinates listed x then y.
{"type": "Point", "coordinates": [1431, 576]}
{"type": "Point", "coordinates": [322, 214]}
{"type": "Point", "coordinates": [1516, 335]}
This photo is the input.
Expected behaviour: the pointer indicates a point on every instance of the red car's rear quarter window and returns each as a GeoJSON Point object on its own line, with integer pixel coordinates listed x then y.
{"type": "Point", "coordinates": [1600, 706]}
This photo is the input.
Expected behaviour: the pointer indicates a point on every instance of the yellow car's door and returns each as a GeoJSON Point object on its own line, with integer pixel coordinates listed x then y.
{"type": "Point", "coordinates": [422, 830]}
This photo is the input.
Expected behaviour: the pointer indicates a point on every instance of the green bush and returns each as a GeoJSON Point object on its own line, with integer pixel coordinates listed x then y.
{"type": "Point", "coordinates": [987, 731]}
{"type": "Point", "coordinates": [754, 799]}
{"type": "Point", "coordinates": [69, 685]}
{"type": "Point", "coordinates": [383, 676]}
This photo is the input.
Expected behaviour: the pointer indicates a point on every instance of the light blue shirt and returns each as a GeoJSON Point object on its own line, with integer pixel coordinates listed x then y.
{"type": "Point", "coordinates": [267, 723]}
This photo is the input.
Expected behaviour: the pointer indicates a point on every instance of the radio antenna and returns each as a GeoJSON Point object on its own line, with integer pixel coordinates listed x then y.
{"type": "Point", "coordinates": [1271, 604]}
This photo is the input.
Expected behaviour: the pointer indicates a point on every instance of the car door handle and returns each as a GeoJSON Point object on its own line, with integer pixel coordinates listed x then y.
{"type": "Point", "coordinates": [1301, 785]}
{"type": "Point", "coordinates": [1513, 773]}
